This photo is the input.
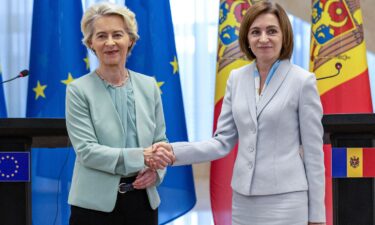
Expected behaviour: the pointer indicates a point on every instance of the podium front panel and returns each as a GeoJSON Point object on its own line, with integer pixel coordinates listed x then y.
{"type": "Point", "coordinates": [15, 204]}
{"type": "Point", "coordinates": [353, 198]}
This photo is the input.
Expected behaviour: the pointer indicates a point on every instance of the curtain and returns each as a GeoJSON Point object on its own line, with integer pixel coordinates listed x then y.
{"type": "Point", "coordinates": [15, 35]}
{"type": "Point", "coordinates": [196, 26]}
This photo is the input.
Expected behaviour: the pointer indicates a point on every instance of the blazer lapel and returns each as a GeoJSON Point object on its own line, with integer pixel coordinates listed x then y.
{"type": "Point", "coordinates": [249, 87]}
{"type": "Point", "coordinates": [274, 85]}
{"type": "Point", "coordinates": [139, 111]}
{"type": "Point", "coordinates": [106, 104]}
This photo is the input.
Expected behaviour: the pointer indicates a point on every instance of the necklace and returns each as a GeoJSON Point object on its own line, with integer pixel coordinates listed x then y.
{"type": "Point", "coordinates": [123, 81]}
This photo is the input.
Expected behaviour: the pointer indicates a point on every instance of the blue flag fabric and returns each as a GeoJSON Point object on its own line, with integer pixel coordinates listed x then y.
{"type": "Point", "coordinates": [155, 54]}
{"type": "Point", "coordinates": [57, 57]}
{"type": "Point", "coordinates": [14, 166]}
{"type": "Point", "coordinates": [3, 109]}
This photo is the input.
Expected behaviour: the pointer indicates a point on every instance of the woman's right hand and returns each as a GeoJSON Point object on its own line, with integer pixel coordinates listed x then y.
{"type": "Point", "coordinates": [159, 155]}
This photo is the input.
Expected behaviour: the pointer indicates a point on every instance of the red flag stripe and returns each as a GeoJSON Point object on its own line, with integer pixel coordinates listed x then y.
{"type": "Point", "coordinates": [220, 179]}
{"type": "Point", "coordinates": [350, 97]}
{"type": "Point", "coordinates": [220, 189]}
{"type": "Point", "coordinates": [368, 162]}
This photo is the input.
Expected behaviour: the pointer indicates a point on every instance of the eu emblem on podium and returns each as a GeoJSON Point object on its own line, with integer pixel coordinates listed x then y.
{"type": "Point", "coordinates": [14, 166]}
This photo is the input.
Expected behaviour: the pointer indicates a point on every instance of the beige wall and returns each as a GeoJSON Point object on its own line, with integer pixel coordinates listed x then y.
{"type": "Point", "coordinates": [302, 9]}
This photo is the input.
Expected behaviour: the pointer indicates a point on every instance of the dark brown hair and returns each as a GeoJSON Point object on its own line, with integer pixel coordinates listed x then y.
{"type": "Point", "coordinates": [265, 7]}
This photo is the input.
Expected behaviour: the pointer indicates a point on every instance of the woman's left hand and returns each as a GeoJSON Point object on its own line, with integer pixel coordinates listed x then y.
{"type": "Point", "coordinates": [146, 177]}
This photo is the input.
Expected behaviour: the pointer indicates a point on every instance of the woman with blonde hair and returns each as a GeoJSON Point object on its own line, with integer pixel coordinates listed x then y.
{"type": "Point", "coordinates": [112, 115]}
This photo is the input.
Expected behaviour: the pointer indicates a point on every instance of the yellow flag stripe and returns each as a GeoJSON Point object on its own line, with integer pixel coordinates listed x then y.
{"type": "Point", "coordinates": [348, 71]}
{"type": "Point", "coordinates": [354, 162]}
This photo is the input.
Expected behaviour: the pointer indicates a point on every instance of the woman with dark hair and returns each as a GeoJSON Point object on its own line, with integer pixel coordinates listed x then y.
{"type": "Point", "coordinates": [272, 108]}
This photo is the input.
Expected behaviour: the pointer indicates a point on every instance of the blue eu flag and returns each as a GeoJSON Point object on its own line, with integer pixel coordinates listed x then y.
{"type": "Point", "coordinates": [3, 109]}
{"type": "Point", "coordinates": [155, 54]}
{"type": "Point", "coordinates": [57, 57]}
{"type": "Point", "coordinates": [14, 166]}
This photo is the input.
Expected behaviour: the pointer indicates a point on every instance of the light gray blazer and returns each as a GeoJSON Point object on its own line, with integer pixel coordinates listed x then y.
{"type": "Point", "coordinates": [270, 135]}
{"type": "Point", "coordinates": [97, 135]}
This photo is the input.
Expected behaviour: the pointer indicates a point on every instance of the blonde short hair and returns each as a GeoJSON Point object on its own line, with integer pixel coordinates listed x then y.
{"type": "Point", "coordinates": [108, 9]}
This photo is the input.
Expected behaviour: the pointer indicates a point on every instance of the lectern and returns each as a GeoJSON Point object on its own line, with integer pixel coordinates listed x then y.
{"type": "Point", "coordinates": [18, 135]}
{"type": "Point", "coordinates": [353, 198]}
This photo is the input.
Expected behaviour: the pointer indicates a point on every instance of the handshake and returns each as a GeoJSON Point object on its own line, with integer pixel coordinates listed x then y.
{"type": "Point", "coordinates": [159, 155]}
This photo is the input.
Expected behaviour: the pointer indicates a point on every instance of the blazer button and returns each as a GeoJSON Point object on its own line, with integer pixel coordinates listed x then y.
{"type": "Point", "coordinates": [253, 130]}
{"type": "Point", "coordinates": [252, 149]}
{"type": "Point", "coordinates": [251, 165]}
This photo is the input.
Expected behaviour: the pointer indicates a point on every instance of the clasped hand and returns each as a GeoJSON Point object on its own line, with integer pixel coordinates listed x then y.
{"type": "Point", "coordinates": [159, 155]}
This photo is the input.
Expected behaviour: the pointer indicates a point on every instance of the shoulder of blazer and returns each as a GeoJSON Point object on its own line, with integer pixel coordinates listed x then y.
{"type": "Point", "coordinates": [246, 69]}
{"type": "Point", "coordinates": [86, 82]}
{"type": "Point", "coordinates": [143, 79]}
{"type": "Point", "coordinates": [145, 87]}
{"type": "Point", "coordinates": [241, 72]}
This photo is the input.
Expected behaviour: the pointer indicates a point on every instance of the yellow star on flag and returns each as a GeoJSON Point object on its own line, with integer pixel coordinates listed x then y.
{"type": "Point", "coordinates": [159, 85]}
{"type": "Point", "coordinates": [174, 64]}
{"type": "Point", "coordinates": [39, 90]}
{"type": "Point", "coordinates": [69, 80]}
{"type": "Point", "coordinates": [87, 62]}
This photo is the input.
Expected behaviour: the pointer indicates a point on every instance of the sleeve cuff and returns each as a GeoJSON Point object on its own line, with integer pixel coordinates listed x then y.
{"type": "Point", "coordinates": [133, 160]}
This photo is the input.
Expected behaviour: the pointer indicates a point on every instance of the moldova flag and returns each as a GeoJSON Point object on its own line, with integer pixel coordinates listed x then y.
{"type": "Point", "coordinates": [353, 162]}
{"type": "Point", "coordinates": [338, 59]}
{"type": "Point", "coordinates": [229, 57]}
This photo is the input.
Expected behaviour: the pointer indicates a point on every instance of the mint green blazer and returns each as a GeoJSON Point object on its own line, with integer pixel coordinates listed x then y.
{"type": "Point", "coordinates": [97, 135]}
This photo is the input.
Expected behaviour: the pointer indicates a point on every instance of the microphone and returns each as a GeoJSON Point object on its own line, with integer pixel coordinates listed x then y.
{"type": "Point", "coordinates": [23, 73]}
